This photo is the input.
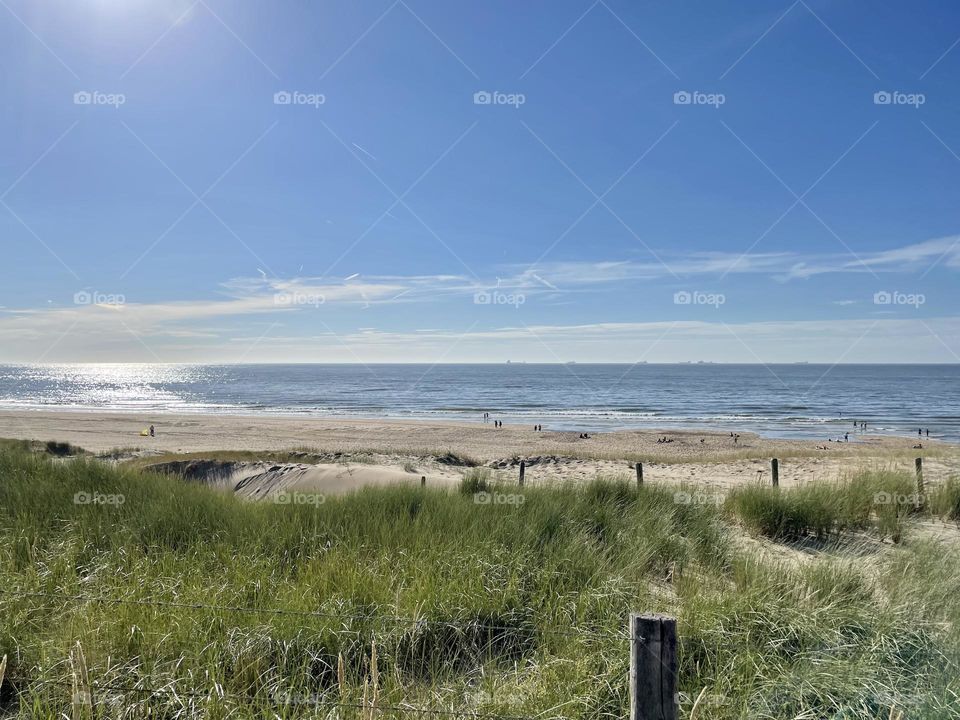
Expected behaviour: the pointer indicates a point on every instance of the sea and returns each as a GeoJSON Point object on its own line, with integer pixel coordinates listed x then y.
{"type": "Point", "coordinates": [791, 401]}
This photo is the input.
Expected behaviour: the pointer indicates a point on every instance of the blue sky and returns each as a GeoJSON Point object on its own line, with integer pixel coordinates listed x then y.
{"type": "Point", "coordinates": [728, 181]}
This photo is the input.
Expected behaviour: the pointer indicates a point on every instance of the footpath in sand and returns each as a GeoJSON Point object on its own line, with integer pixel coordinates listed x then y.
{"type": "Point", "coordinates": [336, 454]}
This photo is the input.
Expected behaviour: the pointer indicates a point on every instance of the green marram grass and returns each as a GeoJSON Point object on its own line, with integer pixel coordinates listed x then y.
{"type": "Point", "coordinates": [428, 598]}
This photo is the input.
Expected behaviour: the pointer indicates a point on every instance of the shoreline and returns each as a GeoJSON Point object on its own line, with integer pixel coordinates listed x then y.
{"type": "Point", "coordinates": [555, 425]}
{"type": "Point", "coordinates": [105, 430]}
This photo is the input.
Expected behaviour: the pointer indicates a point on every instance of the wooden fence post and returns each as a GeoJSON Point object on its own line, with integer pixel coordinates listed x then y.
{"type": "Point", "coordinates": [639, 474]}
{"type": "Point", "coordinates": [653, 667]}
{"type": "Point", "coordinates": [523, 467]}
{"type": "Point", "coordinates": [775, 472]}
{"type": "Point", "coordinates": [423, 481]}
{"type": "Point", "coordinates": [918, 463]}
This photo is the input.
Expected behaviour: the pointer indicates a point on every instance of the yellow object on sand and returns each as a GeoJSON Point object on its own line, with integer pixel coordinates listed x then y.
{"type": "Point", "coordinates": [144, 433]}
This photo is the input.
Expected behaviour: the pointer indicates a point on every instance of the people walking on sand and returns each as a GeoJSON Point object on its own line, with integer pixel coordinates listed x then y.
{"type": "Point", "coordinates": [846, 437]}
{"type": "Point", "coordinates": [928, 432]}
{"type": "Point", "coordinates": [919, 432]}
{"type": "Point", "coordinates": [153, 431]}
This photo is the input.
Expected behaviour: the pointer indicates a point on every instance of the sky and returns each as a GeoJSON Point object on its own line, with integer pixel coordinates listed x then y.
{"type": "Point", "coordinates": [448, 181]}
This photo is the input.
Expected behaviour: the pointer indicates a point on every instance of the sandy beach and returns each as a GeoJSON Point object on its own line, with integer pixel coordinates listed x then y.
{"type": "Point", "coordinates": [351, 452]}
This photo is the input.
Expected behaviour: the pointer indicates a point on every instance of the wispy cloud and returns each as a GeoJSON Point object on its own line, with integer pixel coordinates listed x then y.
{"type": "Point", "coordinates": [783, 266]}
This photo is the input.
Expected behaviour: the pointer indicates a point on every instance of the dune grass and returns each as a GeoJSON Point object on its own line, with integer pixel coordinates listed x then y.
{"type": "Point", "coordinates": [882, 499]}
{"type": "Point", "coordinates": [513, 604]}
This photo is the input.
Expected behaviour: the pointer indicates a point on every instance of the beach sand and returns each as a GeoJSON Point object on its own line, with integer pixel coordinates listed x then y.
{"type": "Point", "coordinates": [357, 452]}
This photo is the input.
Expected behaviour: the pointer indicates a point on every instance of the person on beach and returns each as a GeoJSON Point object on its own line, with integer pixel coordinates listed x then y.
{"type": "Point", "coordinates": [153, 432]}
{"type": "Point", "coordinates": [928, 432]}
{"type": "Point", "coordinates": [846, 437]}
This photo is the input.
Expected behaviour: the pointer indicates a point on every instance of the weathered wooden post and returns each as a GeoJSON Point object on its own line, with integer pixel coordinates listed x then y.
{"type": "Point", "coordinates": [653, 667]}
{"type": "Point", "coordinates": [918, 463]}
{"type": "Point", "coordinates": [523, 467]}
{"type": "Point", "coordinates": [423, 481]}
{"type": "Point", "coordinates": [639, 474]}
{"type": "Point", "coordinates": [775, 472]}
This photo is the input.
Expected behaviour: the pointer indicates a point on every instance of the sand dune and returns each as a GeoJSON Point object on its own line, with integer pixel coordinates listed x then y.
{"type": "Point", "coordinates": [286, 482]}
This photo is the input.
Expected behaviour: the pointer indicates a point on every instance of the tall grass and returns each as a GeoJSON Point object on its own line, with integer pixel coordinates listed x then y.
{"type": "Point", "coordinates": [431, 598]}
{"type": "Point", "coordinates": [944, 500]}
{"type": "Point", "coordinates": [828, 509]}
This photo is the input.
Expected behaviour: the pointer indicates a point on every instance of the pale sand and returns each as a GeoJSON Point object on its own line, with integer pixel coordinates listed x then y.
{"type": "Point", "coordinates": [387, 446]}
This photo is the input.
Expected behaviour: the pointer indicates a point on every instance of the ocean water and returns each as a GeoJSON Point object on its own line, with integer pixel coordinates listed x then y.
{"type": "Point", "coordinates": [813, 401]}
